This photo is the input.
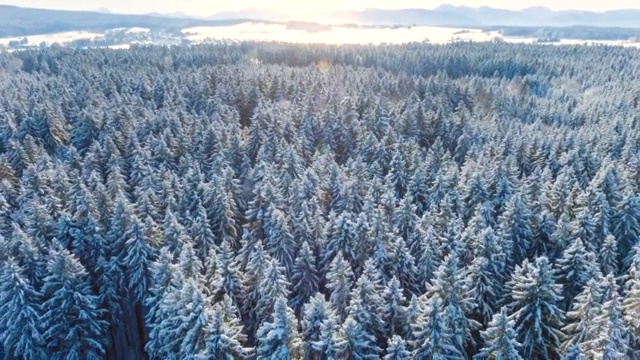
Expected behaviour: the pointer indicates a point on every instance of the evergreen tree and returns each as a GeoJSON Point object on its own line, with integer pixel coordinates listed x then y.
{"type": "Point", "coordinates": [397, 349]}
{"type": "Point", "coordinates": [610, 334]}
{"type": "Point", "coordinates": [339, 283]}
{"type": "Point", "coordinates": [315, 313]}
{"type": "Point", "coordinates": [500, 339]}
{"type": "Point", "coordinates": [576, 267]}
{"type": "Point", "coordinates": [279, 337]}
{"type": "Point", "coordinates": [608, 256]}
{"type": "Point", "coordinates": [432, 338]}
{"type": "Point", "coordinates": [304, 279]}
{"type": "Point", "coordinates": [19, 309]}
{"type": "Point", "coordinates": [71, 316]}
{"type": "Point", "coordinates": [225, 338]}
{"type": "Point", "coordinates": [330, 343]}
{"type": "Point", "coordinates": [272, 287]}
{"type": "Point", "coordinates": [394, 309]}
{"type": "Point", "coordinates": [356, 342]}
{"type": "Point", "coordinates": [534, 300]}
{"type": "Point", "coordinates": [631, 302]}
{"type": "Point", "coordinates": [452, 288]}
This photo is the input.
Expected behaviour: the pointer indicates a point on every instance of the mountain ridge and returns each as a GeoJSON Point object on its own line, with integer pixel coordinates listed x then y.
{"type": "Point", "coordinates": [18, 21]}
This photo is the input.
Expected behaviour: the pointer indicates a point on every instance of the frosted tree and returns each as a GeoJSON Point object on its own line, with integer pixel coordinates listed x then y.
{"type": "Point", "coordinates": [229, 277]}
{"type": "Point", "coordinates": [574, 352]}
{"type": "Point", "coordinates": [71, 316]}
{"type": "Point", "coordinates": [272, 287]}
{"type": "Point", "coordinates": [626, 227]}
{"type": "Point", "coordinates": [485, 275]}
{"type": "Point", "coordinates": [586, 306]}
{"type": "Point", "coordinates": [500, 339]}
{"type": "Point", "coordinates": [20, 310]}
{"type": "Point", "coordinates": [404, 267]}
{"type": "Point", "coordinates": [432, 338]}
{"type": "Point", "coordinates": [608, 255]}
{"type": "Point", "coordinates": [394, 309]}
{"type": "Point", "coordinates": [330, 343]}
{"type": "Point", "coordinates": [278, 239]}
{"type": "Point", "coordinates": [357, 342]}
{"type": "Point", "coordinates": [610, 340]}
{"type": "Point", "coordinates": [576, 267]}
{"type": "Point", "coordinates": [365, 306]}
{"type": "Point", "coordinates": [224, 336]}
{"type": "Point", "coordinates": [397, 349]}
{"type": "Point", "coordinates": [201, 233]}
{"type": "Point", "coordinates": [305, 280]}
{"type": "Point", "coordinates": [515, 229]}
{"type": "Point", "coordinates": [314, 314]}
{"type": "Point", "coordinates": [631, 301]}
{"type": "Point", "coordinates": [340, 237]}
{"type": "Point", "coordinates": [278, 338]}
{"type": "Point", "coordinates": [340, 279]}
{"type": "Point", "coordinates": [534, 301]}
{"type": "Point", "coordinates": [137, 260]}
{"type": "Point", "coordinates": [451, 286]}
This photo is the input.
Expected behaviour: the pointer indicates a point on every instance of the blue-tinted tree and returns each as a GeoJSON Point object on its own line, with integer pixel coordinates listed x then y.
{"type": "Point", "coordinates": [71, 314]}
{"type": "Point", "coordinates": [534, 301]}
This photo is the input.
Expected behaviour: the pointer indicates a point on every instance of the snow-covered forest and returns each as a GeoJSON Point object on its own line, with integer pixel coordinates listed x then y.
{"type": "Point", "coordinates": [272, 201]}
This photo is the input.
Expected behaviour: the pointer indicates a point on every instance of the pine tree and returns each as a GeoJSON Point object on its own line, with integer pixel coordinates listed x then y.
{"type": "Point", "coordinates": [432, 339]}
{"type": "Point", "coordinates": [71, 317]}
{"type": "Point", "coordinates": [515, 229]}
{"type": "Point", "coordinates": [608, 256]}
{"type": "Point", "coordinates": [278, 339]}
{"type": "Point", "coordinates": [272, 287]}
{"type": "Point", "coordinates": [330, 343]}
{"type": "Point", "coordinates": [201, 233]}
{"type": "Point", "coordinates": [534, 300]}
{"type": "Point", "coordinates": [228, 278]}
{"type": "Point", "coordinates": [574, 352]}
{"type": "Point", "coordinates": [626, 227]}
{"type": "Point", "coordinates": [137, 260]}
{"type": "Point", "coordinates": [397, 349]}
{"type": "Point", "coordinates": [451, 286]}
{"type": "Point", "coordinates": [579, 329]}
{"type": "Point", "coordinates": [393, 311]}
{"type": "Point", "coordinates": [225, 339]}
{"type": "Point", "coordinates": [500, 339]}
{"type": "Point", "coordinates": [576, 267]}
{"type": "Point", "coordinates": [631, 301]}
{"type": "Point", "coordinates": [610, 333]}
{"type": "Point", "coordinates": [21, 331]}
{"type": "Point", "coordinates": [365, 306]}
{"type": "Point", "coordinates": [356, 342]}
{"type": "Point", "coordinates": [340, 280]}
{"type": "Point", "coordinates": [305, 278]}
{"type": "Point", "coordinates": [315, 313]}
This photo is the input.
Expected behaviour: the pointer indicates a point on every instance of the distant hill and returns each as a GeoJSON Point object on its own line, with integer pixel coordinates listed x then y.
{"type": "Point", "coordinates": [19, 21]}
{"type": "Point", "coordinates": [536, 21]}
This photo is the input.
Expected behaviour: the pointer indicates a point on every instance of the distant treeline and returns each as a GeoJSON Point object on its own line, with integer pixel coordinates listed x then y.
{"type": "Point", "coordinates": [573, 32]}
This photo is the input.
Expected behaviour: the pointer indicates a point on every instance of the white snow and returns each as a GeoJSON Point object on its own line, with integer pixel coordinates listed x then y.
{"type": "Point", "coordinates": [60, 38]}
{"type": "Point", "coordinates": [137, 30]}
{"type": "Point", "coordinates": [341, 35]}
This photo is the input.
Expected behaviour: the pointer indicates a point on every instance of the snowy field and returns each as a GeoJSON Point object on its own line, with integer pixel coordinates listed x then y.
{"type": "Point", "coordinates": [60, 38]}
{"type": "Point", "coordinates": [436, 35]}
{"type": "Point", "coordinates": [269, 32]}
{"type": "Point", "coordinates": [338, 35]}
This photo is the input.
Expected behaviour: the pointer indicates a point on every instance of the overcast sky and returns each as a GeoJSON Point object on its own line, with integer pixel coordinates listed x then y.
{"type": "Point", "coordinates": [204, 7]}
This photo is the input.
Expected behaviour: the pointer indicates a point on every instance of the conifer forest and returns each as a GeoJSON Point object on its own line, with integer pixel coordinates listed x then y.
{"type": "Point", "coordinates": [278, 201]}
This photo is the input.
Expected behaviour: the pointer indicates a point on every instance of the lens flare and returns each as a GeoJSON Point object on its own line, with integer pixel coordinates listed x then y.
{"type": "Point", "coordinates": [324, 66]}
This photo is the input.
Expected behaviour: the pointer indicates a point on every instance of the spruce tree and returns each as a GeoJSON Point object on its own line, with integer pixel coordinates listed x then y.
{"type": "Point", "coordinates": [534, 301]}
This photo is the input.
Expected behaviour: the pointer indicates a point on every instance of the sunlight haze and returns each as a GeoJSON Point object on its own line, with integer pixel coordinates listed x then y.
{"type": "Point", "coordinates": [208, 7]}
